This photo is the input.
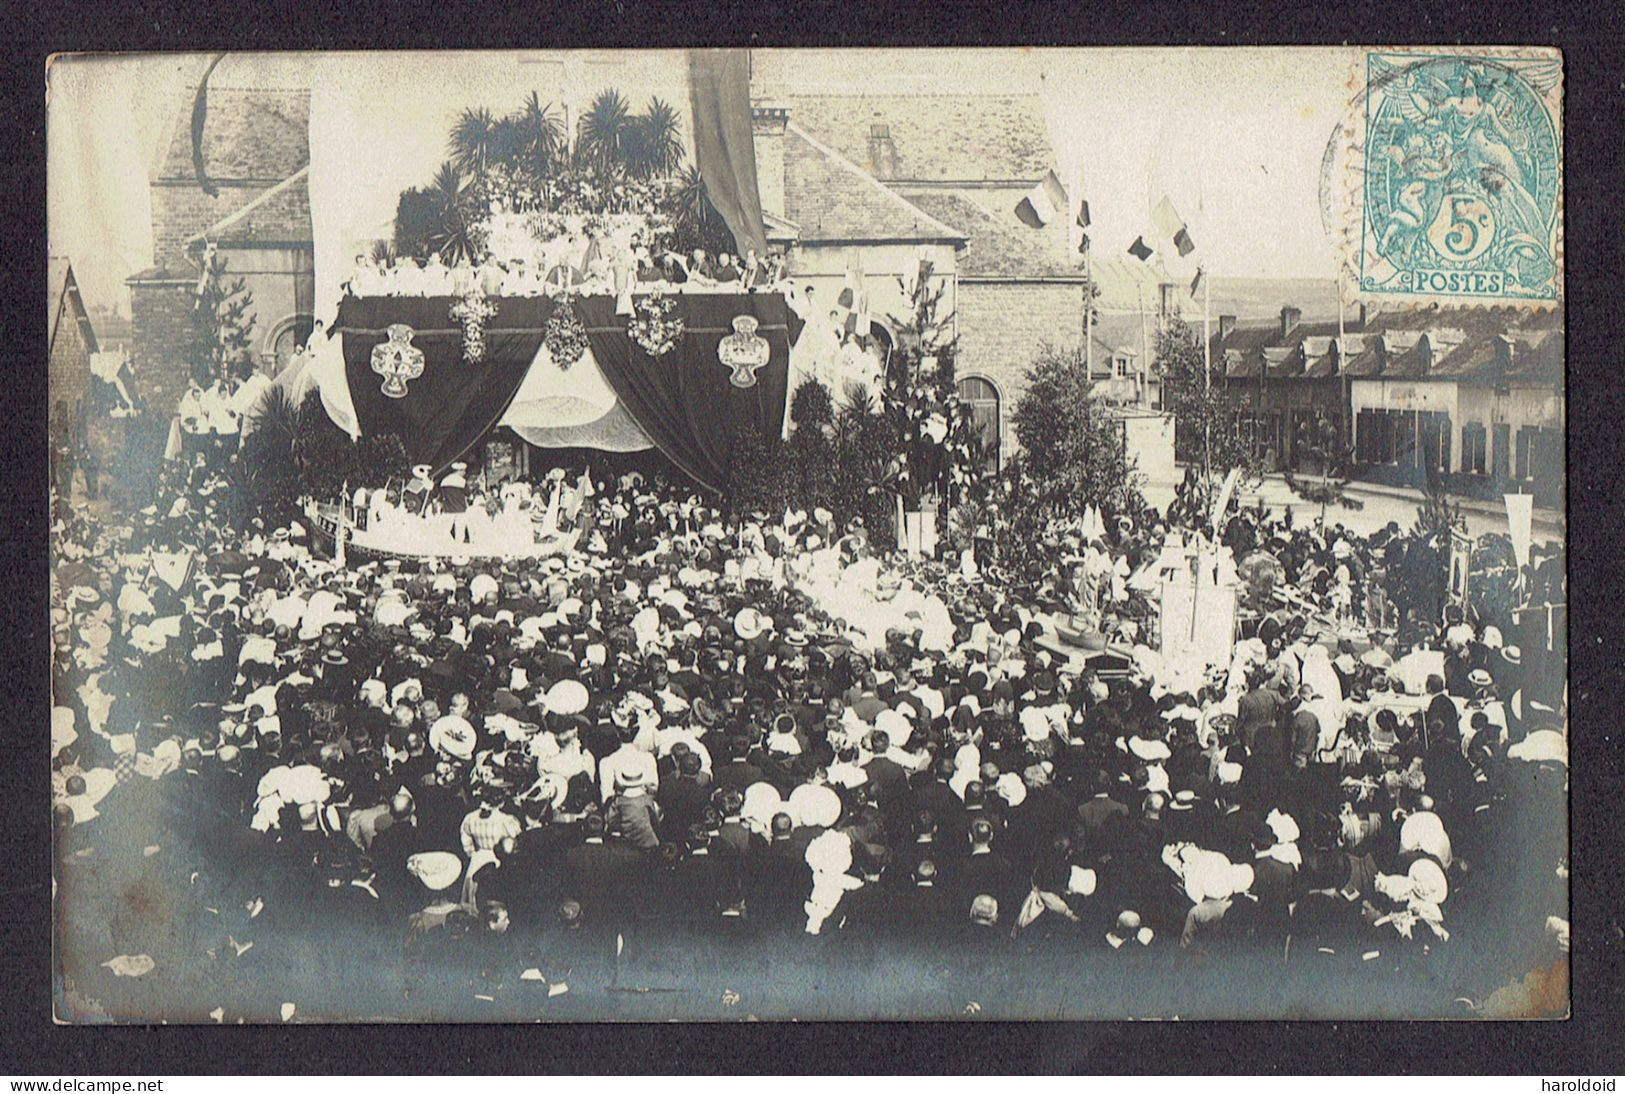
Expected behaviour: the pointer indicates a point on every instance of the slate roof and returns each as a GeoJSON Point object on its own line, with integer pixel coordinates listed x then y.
{"type": "Point", "coordinates": [1459, 344]}
{"type": "Point", "coordinates": [62, 288]}
{"type": "Point", "coordinates": [251, 134]}
{"type": "Point", "coordinates": [936, 137]}
{"type": "Point", "coordinates": [829, 198]}
{"type": "Point", "coordinates": [1000, 245]}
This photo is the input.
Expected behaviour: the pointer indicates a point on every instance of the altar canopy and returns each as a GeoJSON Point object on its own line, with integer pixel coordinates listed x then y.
{"type": "Point", "coordinates": [684, 402]}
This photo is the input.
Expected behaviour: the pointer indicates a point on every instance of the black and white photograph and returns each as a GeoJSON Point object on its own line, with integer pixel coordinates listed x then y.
{"type": "Point", "coordinates": [714, 535]}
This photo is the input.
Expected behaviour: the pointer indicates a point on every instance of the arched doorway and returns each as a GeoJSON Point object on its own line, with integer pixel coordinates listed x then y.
{"type": "Point", "coordinates": [284, 341]}
{"type": "Point", "coordinates": [982, 396]}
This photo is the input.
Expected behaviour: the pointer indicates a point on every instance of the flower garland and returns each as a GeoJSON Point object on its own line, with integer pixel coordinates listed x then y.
{"type": "Point", "coordinates": [653, 326]}
{"type": "Point", "coordinates": [566, 336]}
{"type": "Point", "coordinates": [471, 312]}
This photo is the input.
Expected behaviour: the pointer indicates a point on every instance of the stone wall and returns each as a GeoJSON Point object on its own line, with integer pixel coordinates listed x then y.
{"type": "Point", "coordinates": [159, 313]}
{"type": "Point", "coordinates": [180, 210]}
{"type": "Point", "coordinates": [1003, 324]}
{"type": "Point", "coordinates": [69, 373]}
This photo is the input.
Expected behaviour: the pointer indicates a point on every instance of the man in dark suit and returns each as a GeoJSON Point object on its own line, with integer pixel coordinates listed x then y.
{"type": "Point", "coordinates": [1097, 813]}
{"type": "Point", "coordinates": [986, 871]}
{"type": "Point", "coordinates": [601, 873]}
{"type": "Point", "coordinates": [886, 775]}
{"type": "Point", "coordinates": [683, 797]}
{"type": "Point", "coordinates": [932, 792]}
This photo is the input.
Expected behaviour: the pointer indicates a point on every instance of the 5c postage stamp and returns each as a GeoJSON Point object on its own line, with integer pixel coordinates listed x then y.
{"type": "Point", "coordinates": [1457, 186]}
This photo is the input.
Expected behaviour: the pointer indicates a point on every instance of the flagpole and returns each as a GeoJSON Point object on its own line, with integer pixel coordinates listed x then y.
{"type": "Point", "coordinates": [1145, 342]}
{"type": "Point", "coordinates": [1207, 383]}
{"type": "Point", "coordinates": [1088, 311]}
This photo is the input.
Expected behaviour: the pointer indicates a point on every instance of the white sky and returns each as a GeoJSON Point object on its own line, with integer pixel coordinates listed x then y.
{"type": "Point", "coordinates": [1234, 136]}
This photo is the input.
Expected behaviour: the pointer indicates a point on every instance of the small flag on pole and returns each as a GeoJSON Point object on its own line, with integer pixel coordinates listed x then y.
{"type": "Point", "coordinates": [1170, 225]}
{"type": "Point", "coordinates": [1083, 213]}
{"type": "Point", "coordinates": [1166, 220]}
{"type": "Point", "coordinates": [1043, 202]}
{"type": "Point", "coordinates": [1196, 282]}
{"type": "Point", "coordinates": [1139, 249]}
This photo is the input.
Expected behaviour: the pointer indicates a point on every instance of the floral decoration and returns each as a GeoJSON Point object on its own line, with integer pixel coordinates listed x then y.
{"type": "Point", "coordinates": [471, 312]}
{"type": "Point", "coordinates": [566, 336]}
{"type": "Point", "coordinates": [654, 326]}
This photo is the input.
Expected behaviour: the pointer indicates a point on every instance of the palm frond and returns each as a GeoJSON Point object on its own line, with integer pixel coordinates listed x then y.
{"type": "Point", "coordinates": [660, 140]}
{"type": "Point", "coordinates": [540, 135]}
{"type": "Point", "coordinates": [471, 140]}
{"type": "Point", "coordinates": [604, 129]}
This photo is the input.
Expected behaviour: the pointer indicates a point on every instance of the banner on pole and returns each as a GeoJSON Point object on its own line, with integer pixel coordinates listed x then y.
{"type": "Point", "coordinates": [1461, 567]}
{"type": "Point", "coordinates": [1225, 494]}
{"type": "Point", "coordinates": [1520, 521]}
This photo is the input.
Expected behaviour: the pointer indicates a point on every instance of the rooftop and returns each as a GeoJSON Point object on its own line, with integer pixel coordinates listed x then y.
{"type": "Point", "coordinates": [62, 292]}
{"type": "Point", "coordinates": [829, 198]}
{"type": "Point", "coordinates": [932, 137]}
{"type": "Point", "coordinates": [251, 134]}
{"type": "Point", "coordinates": [1000, 245]}
{"type": "Point", "coordinates": [1467, 344]}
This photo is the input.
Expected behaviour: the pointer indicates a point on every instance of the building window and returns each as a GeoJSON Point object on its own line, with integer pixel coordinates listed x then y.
{"type": "Point", "coordinates": [1501, 450]}
{"type": "Point", "coordinates": [1524, 465]}
{"type": "Point", "coordinates": [1474, 449]}
{"type": "Point", "coordinates": [979, 394]}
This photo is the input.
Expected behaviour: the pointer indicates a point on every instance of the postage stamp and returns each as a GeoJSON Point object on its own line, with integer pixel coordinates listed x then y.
{"type": "Point", "coordinates": [1456, 189]}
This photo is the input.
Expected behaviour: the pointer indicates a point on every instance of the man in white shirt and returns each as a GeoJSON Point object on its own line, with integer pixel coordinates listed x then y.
{"type": "Point", "coordinates": [628, 763]}
{"type": "Point", "coordinates": [245, 401]}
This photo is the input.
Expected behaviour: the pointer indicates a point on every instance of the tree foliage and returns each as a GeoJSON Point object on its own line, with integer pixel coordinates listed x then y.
{"type": "Point", "coordinates": [295, 451]}
{"type": "Point", "coordinates": [754, 479]}
{"type": "Point", "coordinates": [221, 327]}
{"type": "Point", "coordinates": [1208, 429]}
{"type": "Point", "coordinates": [809, 455]}
{"type": "Point", "coordinates": [696, 222]}
{"type": "Point", "coordinates": [529, 150]}
{"type": "Point", "coordinates": [1072, 448]}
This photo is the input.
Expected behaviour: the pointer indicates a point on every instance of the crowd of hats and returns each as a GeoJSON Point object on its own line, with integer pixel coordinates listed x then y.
{"type": "Point", "coordinates": [668, 690]}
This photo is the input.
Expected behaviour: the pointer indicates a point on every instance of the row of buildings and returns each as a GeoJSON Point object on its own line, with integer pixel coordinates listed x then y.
{"type": "Point", "coordinates": [1472, 396]}
{"type": "Point", "coordinates": [869, 182]}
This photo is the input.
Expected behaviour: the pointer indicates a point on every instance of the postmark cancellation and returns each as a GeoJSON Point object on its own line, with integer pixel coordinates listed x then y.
{"type": "Point", "coordinates": [1454, 184]}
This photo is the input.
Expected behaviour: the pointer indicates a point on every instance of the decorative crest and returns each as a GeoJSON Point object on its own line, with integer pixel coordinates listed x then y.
{"type": "Point", "coordinates": [397, 361]}
{"type": "Point", "coordinates": [744, 351]}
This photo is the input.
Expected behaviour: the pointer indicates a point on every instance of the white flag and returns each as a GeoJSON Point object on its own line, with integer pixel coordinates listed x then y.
{"type": "Point", "coordinates": [1520, 517]}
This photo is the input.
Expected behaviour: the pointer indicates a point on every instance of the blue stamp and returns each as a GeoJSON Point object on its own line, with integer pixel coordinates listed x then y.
{"type": "Point", "coordinates": [1463, 178]}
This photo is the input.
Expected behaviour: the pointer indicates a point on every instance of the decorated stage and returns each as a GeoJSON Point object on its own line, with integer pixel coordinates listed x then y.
{"type": "Point", "coordinates": [413, 370]}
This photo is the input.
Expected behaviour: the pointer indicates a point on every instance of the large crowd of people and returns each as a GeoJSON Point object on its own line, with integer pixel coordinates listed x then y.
{"type": "Point", "coordinates": [463, 788]}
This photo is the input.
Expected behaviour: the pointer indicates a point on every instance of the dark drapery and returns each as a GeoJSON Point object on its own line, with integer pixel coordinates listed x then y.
{"type": "Point", "coordinates": [724, 144]}
{"type": "Point", "coordinates": [684, 401]}
{"type": "Point", "coordinates": [454, 403]}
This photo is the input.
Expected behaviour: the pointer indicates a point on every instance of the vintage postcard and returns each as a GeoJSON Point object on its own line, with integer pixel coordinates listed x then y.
{"type": "Point", "coordinates": [808, 534]}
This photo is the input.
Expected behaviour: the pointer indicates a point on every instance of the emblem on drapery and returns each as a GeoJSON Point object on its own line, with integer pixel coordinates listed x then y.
{"type": "Point", "coordinates": [397, 361]}
{"type": "Point", "coordinates": [743, 351]}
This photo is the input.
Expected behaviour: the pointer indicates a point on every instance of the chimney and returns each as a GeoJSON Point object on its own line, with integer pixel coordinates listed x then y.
{"type": "Point", "coordinates": [1289, 319]}
{"type": "Point", "coordinates": [767, 123]}
{"type": "Point", "coordinates": [1227, 324]}
{"type": "Point", "coordinates": [882, 151]}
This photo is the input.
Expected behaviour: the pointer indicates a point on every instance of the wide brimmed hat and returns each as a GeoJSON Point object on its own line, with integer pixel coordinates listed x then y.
{"type": "Point", "coordinates": [749, 624]}
{"type": "Point", "coordinates": [437, 870]}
